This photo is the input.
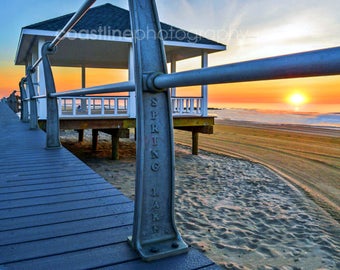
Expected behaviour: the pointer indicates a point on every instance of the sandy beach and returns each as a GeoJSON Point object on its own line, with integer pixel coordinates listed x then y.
{"type": "Point", "coordinates": [241, 213]}
{"type": "Point", "coordinates": [307, 156]}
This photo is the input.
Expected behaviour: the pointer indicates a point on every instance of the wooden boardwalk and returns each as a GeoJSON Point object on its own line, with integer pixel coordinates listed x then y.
{"type": "Point", "coordinates": [56, 213]}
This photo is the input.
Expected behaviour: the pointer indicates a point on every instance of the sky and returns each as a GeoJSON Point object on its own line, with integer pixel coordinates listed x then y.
{"type": "Point", "coordinates": [251, 29]}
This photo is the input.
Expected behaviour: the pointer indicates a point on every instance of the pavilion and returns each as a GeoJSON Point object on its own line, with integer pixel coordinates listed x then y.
{"type": "Point", "coordinates": [102, 39]}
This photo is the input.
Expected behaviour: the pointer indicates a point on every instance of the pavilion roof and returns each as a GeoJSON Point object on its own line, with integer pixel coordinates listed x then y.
{"type": "Point", "coordinates": [96, 31]}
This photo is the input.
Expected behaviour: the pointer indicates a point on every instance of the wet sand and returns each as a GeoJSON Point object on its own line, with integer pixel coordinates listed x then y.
{"type": "Point", "coordinates": [242, 214]}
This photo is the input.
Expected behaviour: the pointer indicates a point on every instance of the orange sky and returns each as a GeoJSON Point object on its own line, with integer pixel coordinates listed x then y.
{"type": "Point", "coordinates": [282, 28]}
{"type": "Point", "coordinates": [319, 90]}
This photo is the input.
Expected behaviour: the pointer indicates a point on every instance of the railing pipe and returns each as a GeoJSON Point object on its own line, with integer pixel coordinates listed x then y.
{"type": "Point", "coordinates": [37, 97]}
{"type": "Point", "coordinates": [108, 88]}
{"type": "Point", "coordinates": [72, 22]}
{"type": "Point", "coordinates": [308, 64]}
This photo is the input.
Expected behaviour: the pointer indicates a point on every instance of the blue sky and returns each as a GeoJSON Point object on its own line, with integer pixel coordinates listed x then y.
{"type": "Point", "coordinates": [250, 28]}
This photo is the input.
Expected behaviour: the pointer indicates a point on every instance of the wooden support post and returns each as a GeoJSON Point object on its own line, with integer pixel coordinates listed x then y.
{"type": "Point", "coordinates": [204, 88]}
{"type": "Point", "coordinates": [194, 142]}
{"type": "Point", "coordinates": [94, 139]}
{"type": "Point", "coordinates": [115, 144]}
{"type": "Point", "coordinates": [80, 135]}
{"type": "Point", "coordinates": [83, 77]}
{"type": "Point", "coordinates": [173, 70]}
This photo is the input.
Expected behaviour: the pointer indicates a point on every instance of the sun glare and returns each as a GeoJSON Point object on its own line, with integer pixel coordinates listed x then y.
{"type": "Point", "coordinates": [297, 99]}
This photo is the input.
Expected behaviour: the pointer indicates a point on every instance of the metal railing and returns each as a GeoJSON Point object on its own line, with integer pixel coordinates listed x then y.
{"type": "Point", "coordinates": [69, 25]}
{"type": "Point", "coordinates": [154, 231]}
{"type": "Point", "coordinates": [93, 107]}
{"type": "Point", "coordinates": [186, 106]}
{"type": "Point", "coordinates": [99, 106]}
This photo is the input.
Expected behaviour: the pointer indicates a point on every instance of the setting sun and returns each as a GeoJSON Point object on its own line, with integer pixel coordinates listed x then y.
{"type": "Point", "coordinates": [297, 99]}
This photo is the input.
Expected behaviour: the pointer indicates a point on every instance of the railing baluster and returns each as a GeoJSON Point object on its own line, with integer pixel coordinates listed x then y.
{"type": "Point", "coordinates": [116, 106]}
{"type": "Point", "coordinates": [103, 106]}
{"type": "Point", "coordinates": [74, 106]}
{"type": "Point", "coordinates": [192, 105]}
{"type": "Point", "coordinates": [60, 107]}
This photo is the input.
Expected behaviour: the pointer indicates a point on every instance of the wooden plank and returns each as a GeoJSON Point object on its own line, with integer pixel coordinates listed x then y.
{"type": "Point", "coordinates": [81, 259]}
{"type": "Point", "coordinates": [185, 121]}
{"type": "Point", "coordinates": [92, 123]}
{"type": "Point", "coordinates": [40, 181]}
{"type": "Point", "coordinates": [28, 164]}
{"type": "Point", "coordinates": [47, 175]}
{"type": "Point", "coordinates": [192, 260]}
{"type": "Point", "coordinates": [61, 206]}
{"type": "Point", "coordinates": [66, 228]}
{"type": "Point", "coordinates": [58, 198]}
{"type": "Point", "coordinates": [45, 186]}
{"type": "Point", "coordinates": [123, 122]}
{"type": "Point", "coordinates": [53, 192]}
{"type": "Point", "coordinates": [64, 244]}
{"type": "Point", "coordinates": [64, 216]}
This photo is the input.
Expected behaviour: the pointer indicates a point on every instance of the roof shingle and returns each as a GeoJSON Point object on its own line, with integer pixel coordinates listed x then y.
{"type": "Point", "coordinates": [110, 20]}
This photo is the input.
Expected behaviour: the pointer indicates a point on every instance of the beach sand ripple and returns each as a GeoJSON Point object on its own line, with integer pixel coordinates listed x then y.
{"type": "Point", "coordinates": [240, 213]}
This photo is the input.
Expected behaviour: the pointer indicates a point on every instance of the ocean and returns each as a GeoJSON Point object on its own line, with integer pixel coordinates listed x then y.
{"type": "Point", "coordinates": [325, 115]}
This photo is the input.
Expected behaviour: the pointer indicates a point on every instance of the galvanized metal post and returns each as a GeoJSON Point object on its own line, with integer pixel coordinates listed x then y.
{"type": "Point", "coordinates": [33, 102]}
{"type": "Point", "coordinates": [24, 102]}
{"type": "Point", "coordinates": [52, 121]}
{"type": "Point", "coordinates": [155, 234]}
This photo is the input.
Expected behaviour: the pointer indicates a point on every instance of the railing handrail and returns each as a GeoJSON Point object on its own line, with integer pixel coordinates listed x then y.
{"type": "Point", "coordinates": [102, 89]}
{"type": "Point", "coordinates": [176, 97]}
{"type": "Point", "coordinates": [306, 64]}
{"type": "Point", "coordinates": [68, 106]}
{"type": "Point", "coordinates": [69, 25]}
{"type": "Point", "coordinates": [92, 97]}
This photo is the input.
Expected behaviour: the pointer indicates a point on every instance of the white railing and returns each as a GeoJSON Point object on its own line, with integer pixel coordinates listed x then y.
{"type": "Point", "coordinates": [187, 106]}
{"type": "Point", "coordinates": [93, 106]}
{"type": "Point", "coordinates": [97, 106]}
